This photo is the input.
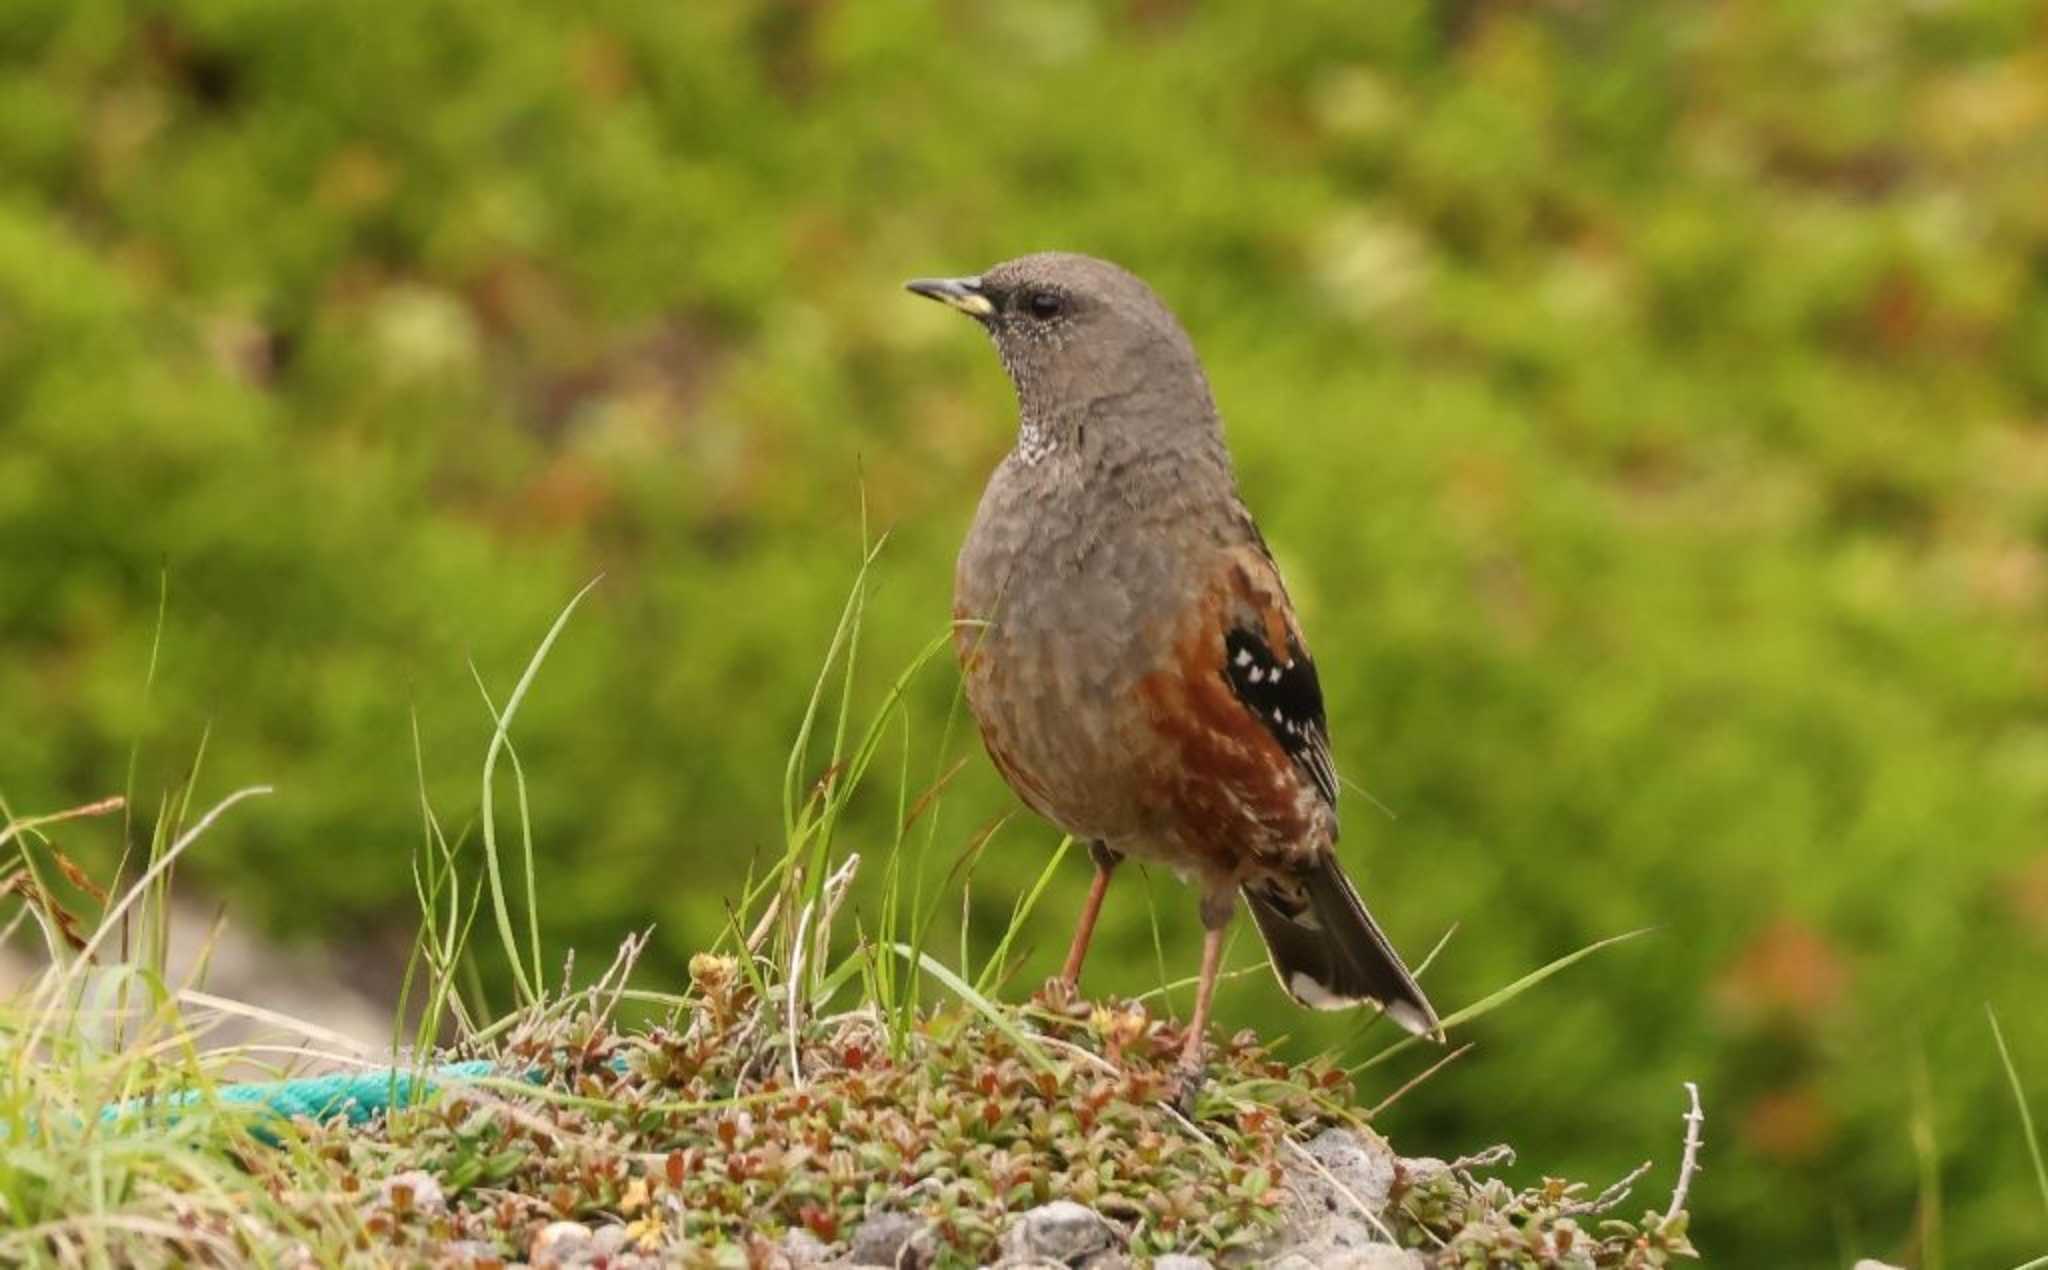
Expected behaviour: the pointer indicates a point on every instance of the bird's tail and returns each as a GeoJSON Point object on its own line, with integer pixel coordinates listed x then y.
{"type": "Point", "coordinates": [1328, 951]}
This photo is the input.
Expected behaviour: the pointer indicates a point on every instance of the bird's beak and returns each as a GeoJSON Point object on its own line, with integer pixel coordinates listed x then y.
{"type": "Point", "coordinates": [964, 294]}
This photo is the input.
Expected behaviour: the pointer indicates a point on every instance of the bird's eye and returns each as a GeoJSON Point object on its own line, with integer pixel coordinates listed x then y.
{"type": "Point", "coordinates": [1043, 304]}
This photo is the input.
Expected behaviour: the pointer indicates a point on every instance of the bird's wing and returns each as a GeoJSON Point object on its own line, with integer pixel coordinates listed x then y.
{"type": "Point", "coordinates": [1267, 665]}
{"type": "Point", "coordinates": [1242, 772]}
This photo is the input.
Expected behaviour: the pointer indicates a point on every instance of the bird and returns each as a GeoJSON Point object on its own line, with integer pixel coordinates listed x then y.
{"type": "Point", "coordinates": [1136, 669]}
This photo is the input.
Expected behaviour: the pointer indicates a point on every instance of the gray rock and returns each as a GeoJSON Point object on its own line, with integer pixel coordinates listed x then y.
{"type": "Point", "coordinates": [1423, 1168]}
{"type": "Point", "coordinates": [1062, 1232]}
{"type": "Point", "coordinates": [1360, 1164]}
{"type": "Point", "coordinates": [888, 1239]}
{"type": "Point", "coordinates": [804, 1250]}
{"type": "Point", "coordinates": [414, 1190]}
{"type": "Point", "coordinates": [1341, 1232]}
{"type": "Point", "coordinates": [1369, 1257]}
{"type": "Point", "coordinates": [1376, 1257]}
{"type": "Point", "coordinates": [560, 1243]}
{"type": "Point", "coordinates": [1336, 1195]}
{"type": "Point", "coordinates": [1181, 1261]}
{"type": "Point", "coordinates": [568, 1243]}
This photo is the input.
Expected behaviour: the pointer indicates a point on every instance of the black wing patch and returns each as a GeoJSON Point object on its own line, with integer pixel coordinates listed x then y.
{"type": "Point", "coordinates": [1287, 698]}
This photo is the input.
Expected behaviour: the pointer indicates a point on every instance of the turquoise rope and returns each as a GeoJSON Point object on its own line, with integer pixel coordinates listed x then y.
{"type": "Point", "coordinates": [358, 1097]}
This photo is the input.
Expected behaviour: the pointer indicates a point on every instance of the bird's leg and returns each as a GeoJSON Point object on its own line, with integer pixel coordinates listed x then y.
{"type": "Point", "coordinates": [1217, 908]}
{"type": "Point", "coordinates": [1105, 864]}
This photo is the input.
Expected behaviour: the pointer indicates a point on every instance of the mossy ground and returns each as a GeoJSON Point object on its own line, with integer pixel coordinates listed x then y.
{"type": "Point", "coordinates": [709, 1136]}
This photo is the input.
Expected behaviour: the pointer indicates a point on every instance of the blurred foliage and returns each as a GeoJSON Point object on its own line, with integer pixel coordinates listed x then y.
{"type": "Point", "coordinates": [1648, 402]}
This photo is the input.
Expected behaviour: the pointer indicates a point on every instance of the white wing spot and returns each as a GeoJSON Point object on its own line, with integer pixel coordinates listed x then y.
{"type": "Point", "coordinates": [1411, 1018]}
{"type": "Point", "coordinates": [1314, 995]}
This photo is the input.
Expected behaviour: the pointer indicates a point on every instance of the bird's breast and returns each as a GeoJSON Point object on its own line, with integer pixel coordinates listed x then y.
{"type": "Point", "coordinates": [1056, 625]}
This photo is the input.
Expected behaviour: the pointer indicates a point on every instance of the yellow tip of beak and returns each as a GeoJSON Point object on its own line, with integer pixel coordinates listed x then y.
{"type": "Point", "coordinates": [964, 294]}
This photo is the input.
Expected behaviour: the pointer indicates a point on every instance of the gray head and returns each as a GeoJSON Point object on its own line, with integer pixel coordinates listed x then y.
{"type": "Point", "coordinates": [1086, 341]}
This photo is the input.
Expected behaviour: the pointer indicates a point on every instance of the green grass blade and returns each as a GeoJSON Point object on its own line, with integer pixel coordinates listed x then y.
{"type": "Point", "coordinates": [1927, 1160]}
{"type": "Point", "coordinates": [1500, 997]}
{"type": "Point", "coordinates": [792, 772]}
{"type": "Point", "coordinates": [998, 1017]}
{"type": "Point", "coordinates": [1019, 913]}
{"type": "Point", "coordinates": [528, 989]}
{"type": "Point", "coordinates": [156, 644]}
{"type": "Point", "coordinates": [2019, 1097]}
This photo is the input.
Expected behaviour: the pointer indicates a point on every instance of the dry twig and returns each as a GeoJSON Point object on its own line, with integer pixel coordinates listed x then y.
{"type": "Point", "coordinates": [1690, 1163]}
{"type": "Point", "coordinates": [1608, 1198]}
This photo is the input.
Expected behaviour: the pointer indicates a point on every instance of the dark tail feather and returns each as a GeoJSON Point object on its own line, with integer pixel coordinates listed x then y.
{"type": "Point", "coordinates": [1330, 954]}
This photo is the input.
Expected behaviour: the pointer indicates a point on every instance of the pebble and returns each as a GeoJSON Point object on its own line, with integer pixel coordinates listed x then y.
{"type": "Point", "coordinates": [883, 1239]}
{"type": "Point", "coordinates": [559, 1243]}
{"type": "Point", "coordinates": [414, 1190]}
{"type": "Point", "coordinates": [1369, 1257]}
{"type": "Point", "coordinates": [1062, 1232]}
{"type": "Point", "coordinates": [1345, 1172]}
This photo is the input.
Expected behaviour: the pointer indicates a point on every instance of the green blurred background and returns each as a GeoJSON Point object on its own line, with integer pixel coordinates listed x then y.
{"type": "Point", "coordinates": [1647, 401]}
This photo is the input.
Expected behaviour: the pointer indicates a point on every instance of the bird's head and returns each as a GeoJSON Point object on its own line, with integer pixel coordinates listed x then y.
{"type": "Point", "coordinates": [1083, 341]}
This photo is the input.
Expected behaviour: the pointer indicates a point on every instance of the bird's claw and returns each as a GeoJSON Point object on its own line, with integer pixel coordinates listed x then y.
{"type": "Point", "coordinates": [1062, 996]}
{"type": "Point", "coordinates": [1188, 1079]}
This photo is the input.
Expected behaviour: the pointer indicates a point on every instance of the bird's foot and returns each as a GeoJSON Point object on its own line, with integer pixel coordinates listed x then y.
{"type": "Point", "coordinates": [1062, 995]}
{"type": "Point", "coordinates": [1188, 1078]}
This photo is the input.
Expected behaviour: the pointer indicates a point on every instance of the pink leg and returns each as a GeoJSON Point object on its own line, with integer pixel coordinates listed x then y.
{"type": "Point", "coordinates": [1077, 952]}
{"type": "Point", "coordinates": [1192, 1049]}
{"type": "Point", "coordinates": [1217, 909]}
